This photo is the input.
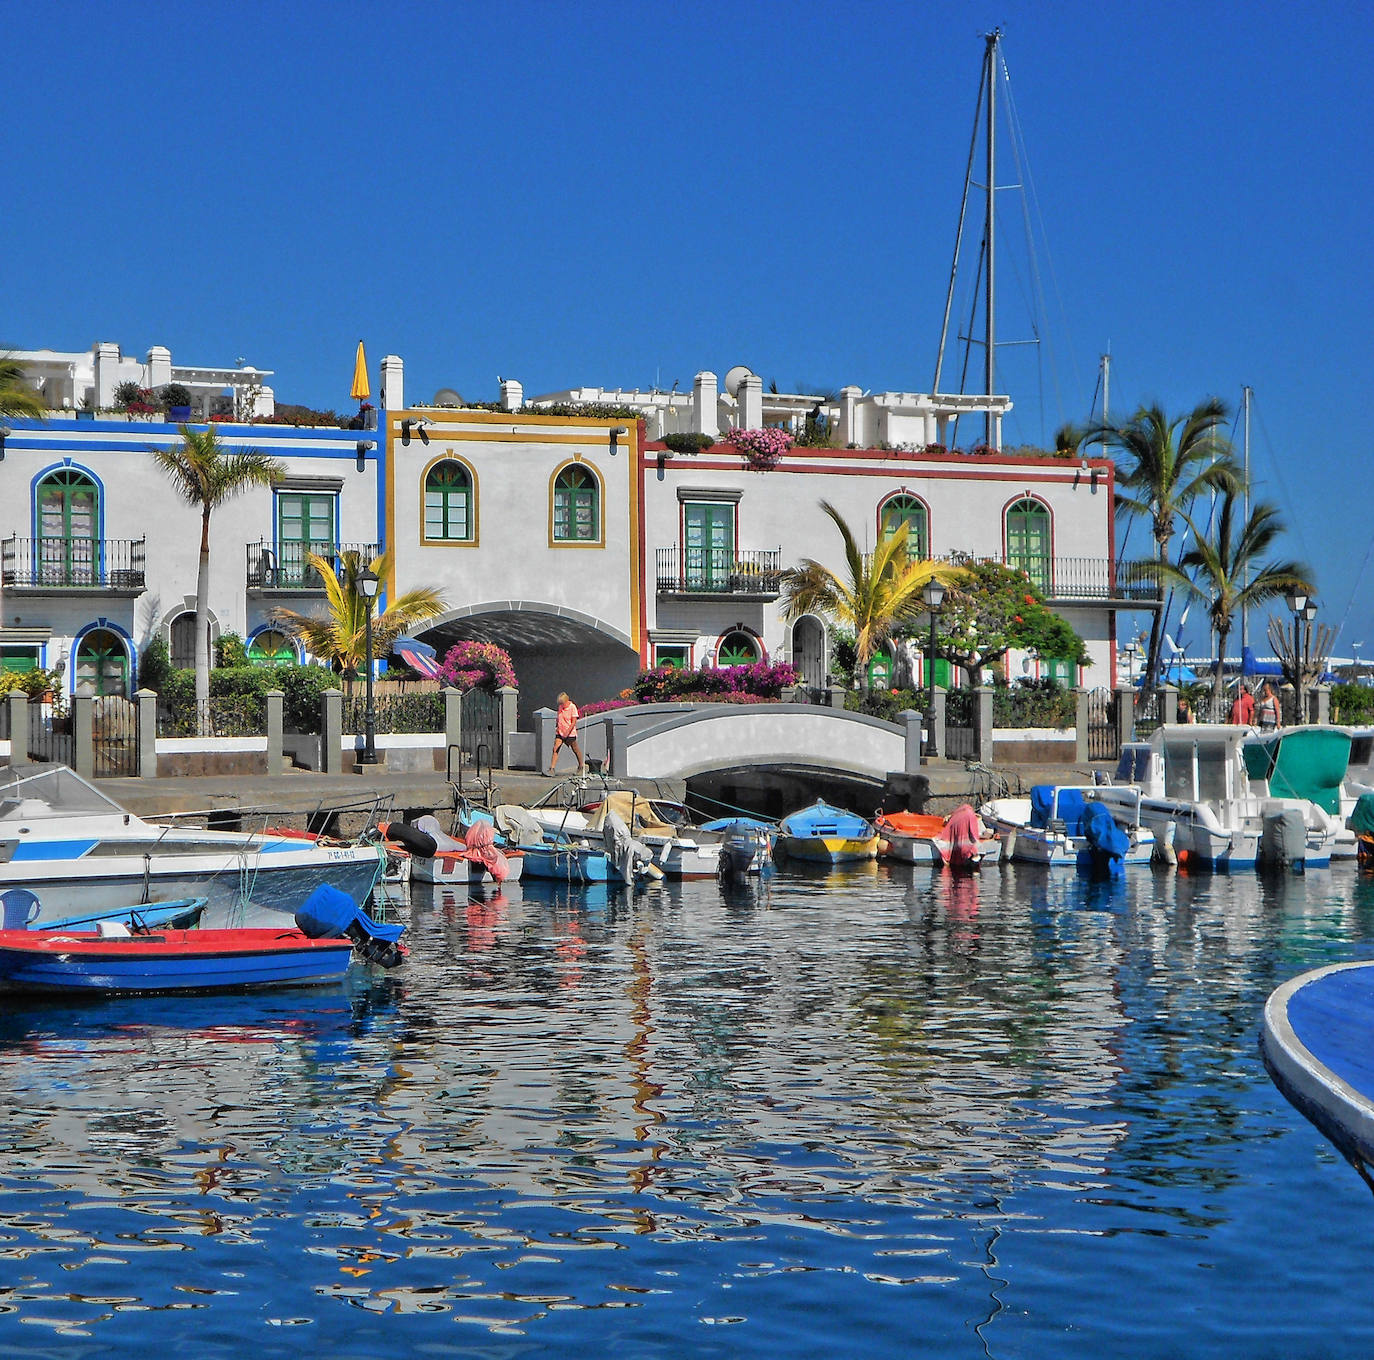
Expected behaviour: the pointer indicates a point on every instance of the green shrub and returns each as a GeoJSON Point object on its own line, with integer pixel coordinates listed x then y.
{"type": "Point", "coordinates": [303, 686]}
{"type": "Point", "coordinates": [685, 442]}
{"type": "Point", "coordinates": [1352, 704]}
{"type": "Point", "coordinates": [230, 651]}
{"type": "Point", "coordinates": [155, 665]}
{"type": "Point", "coordinates": [174, 394]}
{"type": "Point", "coordinates": [1042, 704]}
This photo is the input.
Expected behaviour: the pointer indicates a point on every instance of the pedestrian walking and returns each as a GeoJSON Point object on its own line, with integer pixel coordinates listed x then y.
{"type": "Point", "coordinates": [1267, 710]}
{"type": "Point", "coordinates": [565, 734]}
{"type": "Point", "coordinates": [1243, 708]}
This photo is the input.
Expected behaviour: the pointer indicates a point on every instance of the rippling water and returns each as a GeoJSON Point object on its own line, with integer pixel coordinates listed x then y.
{"type": "Point", "coordinates": [871, 1113]}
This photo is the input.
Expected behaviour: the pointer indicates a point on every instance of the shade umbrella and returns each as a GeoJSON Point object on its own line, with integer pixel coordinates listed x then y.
{"type": "Point", "coordinates": [361, 391]}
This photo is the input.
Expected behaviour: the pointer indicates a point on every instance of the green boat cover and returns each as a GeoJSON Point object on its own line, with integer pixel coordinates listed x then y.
{"type": "Point", "coordinates": [1361, 821]}
{"type": "Point", "coordinates": [1302, 762]}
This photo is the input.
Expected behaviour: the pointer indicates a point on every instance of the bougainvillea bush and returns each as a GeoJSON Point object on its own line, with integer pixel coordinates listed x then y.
{"type": "Point", "coordinates": [477, 665]}
{"type": "Point", "coordinates": [665, 684]}
{"type": "Point", "coordinates": [761, 449]}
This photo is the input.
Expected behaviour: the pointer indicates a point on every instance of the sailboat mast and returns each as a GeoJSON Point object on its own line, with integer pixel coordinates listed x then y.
{"type": "Point", "coordinates": [990, 295]}
{"type": "Point", "coordinates": [1244, 622]}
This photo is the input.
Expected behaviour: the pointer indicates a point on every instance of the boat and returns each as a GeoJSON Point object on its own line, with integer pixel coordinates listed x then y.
{"type": "Point", "coordinates": [436, 857]}
{"type": "Point", "coordinates": [1313, 763]}
{"type": "Point", "coordinates": [21, 908]}
{"type": "Point", "coordinates": [827, 835]}
{"type": "Point", "coordinates": [1194, 791]}
{"type": "Point", "coordinates": [79, 851]}
{"type": "Point", "coordinates": [1315, 1043]}
{"type": "Point", "coordinates": [329, 931]}
{"type": "Point", "coordinates": [746, 844]}
{"type": "Point", "coordinates": [1053, 827]}
{"type": "Point", "coordinates": [680, 849]}
{"type": "Point", "coordinates": [925, 838]}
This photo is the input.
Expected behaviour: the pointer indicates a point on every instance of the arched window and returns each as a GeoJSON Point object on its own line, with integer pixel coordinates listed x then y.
{"type": "Point", "coordinates": [1028, 541]}
{"type": "Point", "coordinates": [103, 663]}
{"type": "Point", "coordinates": [68, 516]}
{"type": "Point", "coordinates": [737, 649]}
{"type": "Point", "coordinates": [904, 508]}
{"type": "Point", "coordinates": [448, 503]}
{"type": "Point", "coordinates": [576, 506]}
{"type": "Point", "coordinates": [880, 668]}
{"type": "Point", "coordinates": [271, 647]}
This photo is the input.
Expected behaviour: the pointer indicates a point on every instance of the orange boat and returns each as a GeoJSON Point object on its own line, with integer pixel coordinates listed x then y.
{"type": "Point", "coordinates": [960, 840]}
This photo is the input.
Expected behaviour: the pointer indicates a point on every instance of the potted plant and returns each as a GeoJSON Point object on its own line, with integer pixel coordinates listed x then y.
{"type": "Point", "coordinates": [176, 400]}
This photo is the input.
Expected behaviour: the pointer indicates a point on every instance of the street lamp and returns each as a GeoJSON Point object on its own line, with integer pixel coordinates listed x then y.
{"type": "Point", "coordinates": [1305, 654]}
{"type": "Point", "coordinates": [933, 593]}
{"type": "Point", "coordinates": [367, 583]}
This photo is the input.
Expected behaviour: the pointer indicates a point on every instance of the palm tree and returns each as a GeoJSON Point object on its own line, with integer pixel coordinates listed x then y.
{"type": "Point", "coordinates": [340, 636]}
{"type": "Point", "coordinates": [207, 475]}
{"type": "Point", "coordinates": [1167, 464]}
{"type": "Point", "coordinates": [17, 398]}
{"type": "Point", "coordinates": [1228, 575]}
{"type": "Point", "coordinates": [877, 592]}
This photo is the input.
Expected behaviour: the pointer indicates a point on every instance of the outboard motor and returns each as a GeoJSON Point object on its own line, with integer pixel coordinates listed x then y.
{"type": "Point", "coordinates": [1283, 841]}
{"type": "Point", "coordinates": [1106, 844]}
{"type": "Point", "coordinates": [330, 914]}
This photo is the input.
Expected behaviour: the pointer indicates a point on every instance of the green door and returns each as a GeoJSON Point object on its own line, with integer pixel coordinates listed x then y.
{"type": "Point", "coordinates": [944, 673]}
{"type": "Point", "coordinates": [305, 524]}
{"type": "Point", "coordinates": [1028, 542]}
{"type": "Point", "coordinates": [103, 664]}
{"type": "Point", "coordinates": [708, 545]}
{"type": "Point", "coordinates": [67, 516]}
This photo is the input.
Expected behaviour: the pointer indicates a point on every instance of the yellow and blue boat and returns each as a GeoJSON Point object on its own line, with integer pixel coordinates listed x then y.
{"type": "Point", "coordinates": [827, 835]}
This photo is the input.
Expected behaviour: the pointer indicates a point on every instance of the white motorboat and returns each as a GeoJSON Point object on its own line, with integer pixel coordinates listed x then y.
{"type": "Point", "coordinates": [1048, 827]}
{"type": "Point", "coordinates": [1194, 790]}
{"type": "Point", "coordinates": [81, 852]}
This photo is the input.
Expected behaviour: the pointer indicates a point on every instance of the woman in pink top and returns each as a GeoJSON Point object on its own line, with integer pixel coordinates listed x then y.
{"type": "Point", "coordinates": [566, 734]}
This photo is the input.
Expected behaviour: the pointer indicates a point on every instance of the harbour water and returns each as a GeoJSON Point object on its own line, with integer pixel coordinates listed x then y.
{"type": "Point", "coordinates": [879, 1112]}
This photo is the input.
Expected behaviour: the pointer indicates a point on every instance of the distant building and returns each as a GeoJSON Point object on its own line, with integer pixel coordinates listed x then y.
{"type": "Point", "coordinates": [88, 379]}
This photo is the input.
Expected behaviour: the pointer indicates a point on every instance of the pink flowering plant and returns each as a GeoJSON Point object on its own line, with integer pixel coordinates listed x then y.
{"type": "Point", "coordinates": [477, 665]}
{"type": "Point", "coordinates": [761, 449]}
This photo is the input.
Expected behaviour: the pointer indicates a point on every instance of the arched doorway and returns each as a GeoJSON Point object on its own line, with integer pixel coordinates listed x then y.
{"type": "Point", "coordinates": [102, 664]}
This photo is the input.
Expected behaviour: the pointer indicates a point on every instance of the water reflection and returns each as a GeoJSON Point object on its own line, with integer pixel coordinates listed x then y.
{"type": "Point", "coordinates": [672, 1105]}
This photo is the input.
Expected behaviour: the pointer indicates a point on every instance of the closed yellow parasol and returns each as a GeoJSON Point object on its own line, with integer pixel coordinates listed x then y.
{"type": "Point", "coordinates": [361, 391]}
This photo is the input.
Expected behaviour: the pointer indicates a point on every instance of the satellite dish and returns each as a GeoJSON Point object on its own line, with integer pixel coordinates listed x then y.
{"type": "Point", "coordinates": [446, 396]}
{"type": "Point", "coordinates": [735, 377]}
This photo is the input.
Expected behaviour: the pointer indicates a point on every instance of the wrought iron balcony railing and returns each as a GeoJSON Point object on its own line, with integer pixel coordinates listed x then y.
{"type": "Point", "coordinates": [719, 571]}
{"type": "Point", "coordinates": [74, 563]}
{"type": "Point", "coordinates": [287, 566]}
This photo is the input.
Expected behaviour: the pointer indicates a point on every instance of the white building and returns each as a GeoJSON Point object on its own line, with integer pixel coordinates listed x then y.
{"type": "Point", "coordinates": [87, 380]}
{"type": "Point", "coordinates": [581, 544]}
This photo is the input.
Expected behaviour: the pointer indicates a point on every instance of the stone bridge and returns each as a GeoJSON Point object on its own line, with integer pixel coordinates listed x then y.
{"type": "Point", "coordinates": [678, 741]}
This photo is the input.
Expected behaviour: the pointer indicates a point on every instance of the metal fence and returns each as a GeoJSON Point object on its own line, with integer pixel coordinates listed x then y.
{"type": "Point", "coordinates": [114, 735]}
{"type": "Point", "coordinates": [222, 715]}
{"type": "Point", "coordinates": [482, 726]}
{"type": "Point", "coordinates": [1104, 732]}
{"type": "Point", "coordinates": [420, 712]}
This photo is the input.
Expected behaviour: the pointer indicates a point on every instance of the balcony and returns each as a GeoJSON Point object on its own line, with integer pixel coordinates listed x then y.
{"type": "Point", "coordinates": [695, 573]}
{"type": "Point", "coordinates": [74, 564]}
{"type": "Point", "coordinates": [286, 566]}
{"type": "Point", "coordinates": [1070, 580]}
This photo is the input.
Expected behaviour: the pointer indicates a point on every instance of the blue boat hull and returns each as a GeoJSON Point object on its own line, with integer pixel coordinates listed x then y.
{"type": "Point", "coordinates": [565, 864]}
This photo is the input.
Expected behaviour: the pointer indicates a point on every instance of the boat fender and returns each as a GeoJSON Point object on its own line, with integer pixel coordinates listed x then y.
{"type": "Point", "coordinates": [411, 838]}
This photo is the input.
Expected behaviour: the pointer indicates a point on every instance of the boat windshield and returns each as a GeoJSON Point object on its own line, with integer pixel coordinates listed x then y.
{"type": "Point", "coordinates": [29, 792]}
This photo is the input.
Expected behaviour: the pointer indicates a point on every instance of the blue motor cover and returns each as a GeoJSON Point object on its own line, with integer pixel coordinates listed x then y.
{"type": "Point", "coordinates": [1071, 805]}
{"type": "Point", "coordinates": [329, 913]}
{"type": "Point", "coordinates": [1107, 843]}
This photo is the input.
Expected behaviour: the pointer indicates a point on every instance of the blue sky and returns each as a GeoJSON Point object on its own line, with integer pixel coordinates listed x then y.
{"type": "Point", "coordinates": [627, 193]}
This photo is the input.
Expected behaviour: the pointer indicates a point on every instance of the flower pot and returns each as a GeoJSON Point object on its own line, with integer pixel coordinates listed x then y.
{"type": "Point", "coordinates": [179, 414]}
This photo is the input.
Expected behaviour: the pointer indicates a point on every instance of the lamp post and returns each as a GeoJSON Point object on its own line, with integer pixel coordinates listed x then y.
{"type": "Point", "coordinates": [367, 583]}
{"type": "Point", "coordinates": [933, 593]}
{"type": "Point", "coordinates": [1296, 601]}
{"type": "Point", "coordinates": [1308, 614]}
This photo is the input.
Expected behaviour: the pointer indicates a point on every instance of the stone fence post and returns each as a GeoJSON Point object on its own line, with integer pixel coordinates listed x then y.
{"type": "Point", "coordinates": [982, 725]}
{"type": "Point", "coordinates": [146, 728]}
{"type": "Point", "coordinates": [276, 725]}
{"type": "Point", "coordinates": [617, 743]}
{"type": "Point", "coordinates": [545, 727]}
{"type": "Point", "coordinates": [1168, 704]}
{"type": "Point", "coordinates": [911, 720]}
{"type": "Point", "coordinates": [1125, 714]}
{"type": "Point", "coordinates": [1080, 727]}
{"type": "Point", "coordinates": [453, 725]}
{"type": "Point", "coordinates": [936, 744]}
{"type": "Point", "coordinates": [331, 731]}
{"type": "Point", "coordinates": [83, 732]}
{"type": "Point", "coordinates": [510, 697]}
{"type": "Point", "coordinates": [18, 703]}
{"type": "Point", "coordinates": [1321, 696]}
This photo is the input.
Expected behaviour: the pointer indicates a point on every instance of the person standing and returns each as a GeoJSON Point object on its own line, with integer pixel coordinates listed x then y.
{"type": "Point", "coordinates": [1243, 709]}
{"type": "Point", "coordinates": [565, 734]}
{"type": "Point", "coordinates": [1267, 710]}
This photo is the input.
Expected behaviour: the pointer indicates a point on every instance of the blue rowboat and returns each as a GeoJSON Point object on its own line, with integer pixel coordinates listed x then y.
{"type": "Point", "coordinates": [827, 835]}
{"type": "Point", "coordinates": [90, 962]}
{"type": "Point", "coordinates": [180, 914]}
{"type": "Point", "coordinates": [566, 862]}
{"type": "Point", "coordinates": [1315, 1043]}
